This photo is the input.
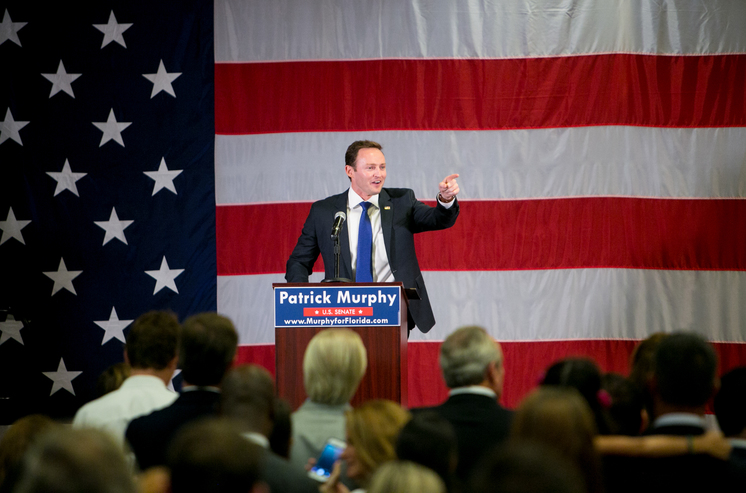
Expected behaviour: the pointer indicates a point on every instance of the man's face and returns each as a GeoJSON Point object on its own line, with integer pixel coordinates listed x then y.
{"type": "Point", "coordinates": [367, 177]}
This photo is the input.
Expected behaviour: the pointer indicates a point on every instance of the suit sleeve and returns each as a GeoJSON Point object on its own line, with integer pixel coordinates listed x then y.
{"type": "Point", "coordinates": [300, 264]}
{"type": "Point", "coordinates": [426, 218]}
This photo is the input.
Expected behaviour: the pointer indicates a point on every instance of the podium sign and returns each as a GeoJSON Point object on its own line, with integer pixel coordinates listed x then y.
{"type": "Point", "coordinates": [338, 306]}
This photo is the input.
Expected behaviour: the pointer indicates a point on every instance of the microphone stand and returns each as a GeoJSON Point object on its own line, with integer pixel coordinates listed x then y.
{"type": "Point", "coordinates": [336, 277]}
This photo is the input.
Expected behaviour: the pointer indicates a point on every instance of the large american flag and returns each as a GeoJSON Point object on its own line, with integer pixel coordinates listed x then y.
{"type": "Point", "coordinates": [107, 201]}
{"type": "Point", "coordinates": [601, 148]}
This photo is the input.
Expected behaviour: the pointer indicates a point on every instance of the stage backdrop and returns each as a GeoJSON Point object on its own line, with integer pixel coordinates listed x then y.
{"type": "Point", "coordinates": [165, 154]}
{"type": "Point", "coordinates": [601, 147]}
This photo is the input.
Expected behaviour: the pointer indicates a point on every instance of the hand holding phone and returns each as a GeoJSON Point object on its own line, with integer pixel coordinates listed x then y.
{"type": "Point", "coordinates": [329, 454]}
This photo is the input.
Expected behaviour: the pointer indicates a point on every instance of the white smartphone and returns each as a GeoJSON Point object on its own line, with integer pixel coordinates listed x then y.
{"type": "Point", "coordinates": [329, 454]}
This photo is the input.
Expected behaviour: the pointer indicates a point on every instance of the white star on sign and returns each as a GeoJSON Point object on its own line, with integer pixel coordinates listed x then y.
{"type": "Point", "coordinates": [163, 177]}
{"type": "Point", "coordinates": [63, 278]}
{"type": "Point", "coordinates": [66, 179]}
{"type": "Point", "coordinates": [162, 80]}
{"type": "Point", "coordinates": [9, 128]}
{"type": "Point", "coordinates": [112, 129]}
{"type": "Point", "coordinates": [114, 227]}
{"type": "Point", "coordinates": [62, 378]}
{"type": "Point", "coordinates": [112, 31]}
{"type": "Point", "coordinates": [61, 81]}
{"type": "Point", "coordinates": [11, 329]}
{"type": "Point", "coordinates": [360, 312]}
{"type": "Point", "coordinates": [164, 277]}
{"type": "Point", "coordinates": [9, 29]}
{"type": "Point", "coordinates": [12, 228]}
{"type": "Point", "coordinates": [113, 328]}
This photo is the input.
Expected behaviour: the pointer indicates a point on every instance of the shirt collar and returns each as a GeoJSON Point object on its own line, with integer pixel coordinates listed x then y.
{"type": "Point", "coordinates": [738, 443]}
{"type": "Point", "coordinates": [680, 419]}
{"type": "Point", "coordinates": [194, 388]}
{"type": "Point", "coordinates": [353, 199]}
{"type": "Point", "coordinates": [473, 389]}
{"type": "Point", "coordinates": [257, 438]}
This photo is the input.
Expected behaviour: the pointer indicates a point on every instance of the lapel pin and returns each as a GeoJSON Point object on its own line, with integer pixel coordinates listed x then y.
{"type": "Point", "coordinates": [387, 207]}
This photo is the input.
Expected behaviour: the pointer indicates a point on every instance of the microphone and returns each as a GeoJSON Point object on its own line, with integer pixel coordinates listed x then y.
{"type": "Point", "coordinates": [339, 219]}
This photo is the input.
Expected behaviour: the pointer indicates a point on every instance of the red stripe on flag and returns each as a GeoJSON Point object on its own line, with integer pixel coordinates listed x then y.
{"type": "Point", "coordinates": [587, 232]}
{"type": "Point", "coordinates": [524, 364]}
{"type": "Point", "coordinates": [458, 94]}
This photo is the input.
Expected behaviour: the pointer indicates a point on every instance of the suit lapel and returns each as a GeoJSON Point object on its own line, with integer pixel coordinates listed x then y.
{"type": "Point", "coordinates": [387, 221]}
{"type": "Point", "coordinates": [345, 260]}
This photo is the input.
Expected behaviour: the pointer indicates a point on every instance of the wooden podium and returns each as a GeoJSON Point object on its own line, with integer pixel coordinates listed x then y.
{"type": "Point", "coordinates": [386, 376]}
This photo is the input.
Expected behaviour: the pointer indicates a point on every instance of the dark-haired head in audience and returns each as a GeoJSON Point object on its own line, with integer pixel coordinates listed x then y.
{"type": "Point", "coordinates": [472, 365]}
{"type": "Point", "coordinates": [583, 375]}
{"type": "Point", "coordinates": [526, 467]}
{"type": "Point", "coordinates": [248, 399]}
{"type": "Point", "coordinates": [281, 438]}
{"type": "Point", "coordinates": [642, 367]}
{"type": "Point", "coordinates": [211, 455]}
{"type": "Point", "coordinates": [68, 460]}
{"type": "Point", "coordinates": [206, 351]}
{"type": "Point", "coordinates": [430, 440]}
{"type": "Point", "coordinates": [627, 414]}
{"type": "Point", "coordinates": [560, 418]}
{"type": "Point", "coordinates": [730, 403]}
{"type": "Point", "coordinates": [15, 442]}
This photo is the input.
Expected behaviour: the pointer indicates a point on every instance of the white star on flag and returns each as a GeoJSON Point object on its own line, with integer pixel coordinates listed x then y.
{"type": "Point", "coordinates": [114, 227]}
{"type": "Point", "coordinates": [112, 129]}
{"type": "Point", "coordinates": [165, 277]}
{"type": "Point", "coordinates": [11, 329]}
{"type": "Point", "coordinates": [12, 228]}
{"type": "Point", "coordinates": [61, 81]}
{"type": "Point", "coordinates": [112, 31]}
{"type": "Point", "coordinates": [63, 278]}
{"type": "Point", "coordinates": [9, 29]}
{"type": "Point", "coordinates": [162, 80]}
{"type": "Point", "coordinates": [113, 328]}
{"type": "Point", "coordinates": [163, 177]}
{"type": "Point", "coordinates": [62, 378]}
{"type": "Point", "coordinates": [66, 179]}
{"type": "Point", "coordinates": [9, 128]}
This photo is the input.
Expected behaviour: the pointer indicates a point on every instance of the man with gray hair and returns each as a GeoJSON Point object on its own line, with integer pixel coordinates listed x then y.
{"type": "Point", "coordinates": [472, 366]}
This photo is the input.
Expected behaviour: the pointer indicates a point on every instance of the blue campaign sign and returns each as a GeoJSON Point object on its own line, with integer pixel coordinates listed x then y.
{"type": "Point", "coordinates": [337, 306]}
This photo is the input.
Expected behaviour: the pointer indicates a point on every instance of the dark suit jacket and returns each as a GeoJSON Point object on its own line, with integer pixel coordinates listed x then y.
{"type": "Point", "coordinates": [680, 473]}
{"type": "Point", "coordinates": [402, 215]}
{"type": "Point", "coordinates": [480, 424]}
{"type": "Point", "coordinates": [150, 435]}
{"type": "Point", "coordinates": [282, 477]}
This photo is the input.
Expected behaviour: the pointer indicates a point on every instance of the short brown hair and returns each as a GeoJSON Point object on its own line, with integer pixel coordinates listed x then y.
{"type": "Point", "coordinates": [208, 345]}
{"type": "Point", "coordinates": [152, 340]}
{"type": "Point", "coordinates": [354, 148]}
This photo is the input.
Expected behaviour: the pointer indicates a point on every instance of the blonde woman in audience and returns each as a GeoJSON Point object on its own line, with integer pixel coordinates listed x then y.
{"type": "Point", "coordinates": [372, 430]}
{"type": "Point", "coordinates": [405, 476]}
{"type": "Point", "coordinates": [333, 365]}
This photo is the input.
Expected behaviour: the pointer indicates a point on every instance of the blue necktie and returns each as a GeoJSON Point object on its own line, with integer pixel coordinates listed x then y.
{"type": "Point", "coordinates": [363, 272]}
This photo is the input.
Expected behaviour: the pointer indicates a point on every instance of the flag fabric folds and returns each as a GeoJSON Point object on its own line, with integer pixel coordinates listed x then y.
{"type": "Point", "coordinates": [601, 148]}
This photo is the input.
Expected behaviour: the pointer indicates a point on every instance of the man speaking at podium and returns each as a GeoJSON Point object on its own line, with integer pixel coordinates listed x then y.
{"type": "Point", "coordinates": [377, 238]}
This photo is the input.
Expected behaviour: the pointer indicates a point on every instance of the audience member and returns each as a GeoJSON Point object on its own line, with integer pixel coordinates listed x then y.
{"type": "Point", "coordinates": [209, 455]}
{"type": "Point", "coordinates": [403, 477]}
{"type": "Point", "coordinates": [112, 378]}
{"type": "Point", "coordinates": [730, 409]}
{"type": "Point", "coordinates": [68, 460]}
{"type": "Point", "coordinates": [14, 444]}
{"type": "Point", "coordinates": [583, 375]}
{"type": "Point", "coordinates": [429, 439]}
{"type": "Point", "coordinates": [642, 367]}
{"type": "Point", "coordinates": [560, 418]}
{"type": "Point", "coordinates": [248, 399]}
{"type": "Point", "coordinates": [206, 351]}
{"type": "Point", "coordinates": [281, 438]}
{"type": "Point", "coordinates": [472, 366]}
{"type": "Point", "coordinates": [151, 354]}
{"type": "Point", "coordinates": [526, 467]}
{"type": "Point", "coordinates": [683, 381]}
{"type": "Point", "coordinates": [626, 412]}
{"type": "Point", "coordinates": [333, 365]}
{"type": "Point", "coordinates": [372, 430]}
